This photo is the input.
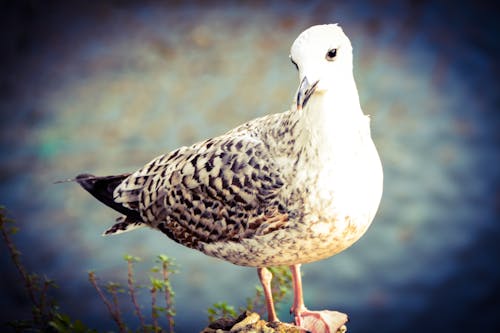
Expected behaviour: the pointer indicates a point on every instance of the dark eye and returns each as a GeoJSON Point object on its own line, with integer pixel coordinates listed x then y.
{"type": "Point", "coordinates": [294, 63]}
{"type": "Point", "coordinates": [331, 54]}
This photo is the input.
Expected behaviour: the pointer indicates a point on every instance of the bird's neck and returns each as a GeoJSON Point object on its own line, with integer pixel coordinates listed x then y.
{"type": "Point", "coordinates": [333, 114]}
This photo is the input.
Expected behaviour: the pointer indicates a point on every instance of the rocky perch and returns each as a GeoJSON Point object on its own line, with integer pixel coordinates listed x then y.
{"type": "Point", "coordinates": [250, 322]}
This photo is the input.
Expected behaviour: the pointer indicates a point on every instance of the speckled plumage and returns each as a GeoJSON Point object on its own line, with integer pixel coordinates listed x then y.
{"type": "Point", "coordinates": [283, 189]}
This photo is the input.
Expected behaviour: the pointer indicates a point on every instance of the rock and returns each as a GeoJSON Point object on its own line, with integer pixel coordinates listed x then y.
{"type": "Point", "coordinates": [250, 322]}
{"type": "Point", "coordinates": [251, 319]}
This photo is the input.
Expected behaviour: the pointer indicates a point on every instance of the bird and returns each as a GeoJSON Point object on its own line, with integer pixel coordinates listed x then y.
{"type": "Point", "coordinates": [288, 188]}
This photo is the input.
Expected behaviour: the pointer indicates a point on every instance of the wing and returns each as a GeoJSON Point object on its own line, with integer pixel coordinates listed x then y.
{"type": "Point", "coordinates": [219, 189]}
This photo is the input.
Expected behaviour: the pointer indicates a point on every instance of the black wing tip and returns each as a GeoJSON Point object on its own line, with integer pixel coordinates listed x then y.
{"type": "Point", "coordinates": [102, 189]}
{"type": "Point", "coordinates": [79, 179]}
{"type": "Point", "coordinates": [84, 176]}
{"type": "Point", "coordinates": [89, 180]}
{"type": "Point", "coordinates": [86, 181]}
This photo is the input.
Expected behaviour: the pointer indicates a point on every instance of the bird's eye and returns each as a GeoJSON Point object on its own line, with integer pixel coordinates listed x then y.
{"type": "Point", "coordinates": [294, 63]}
{"type": "Point", "coordinates": [331, 54]}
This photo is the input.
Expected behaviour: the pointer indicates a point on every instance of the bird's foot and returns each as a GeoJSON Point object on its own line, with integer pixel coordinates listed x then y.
{"type": "Point", "coordinates": [321, 321]}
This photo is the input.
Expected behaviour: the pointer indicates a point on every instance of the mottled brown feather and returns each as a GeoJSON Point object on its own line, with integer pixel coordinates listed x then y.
{"type": "Point", "coordinates": [212, 191]}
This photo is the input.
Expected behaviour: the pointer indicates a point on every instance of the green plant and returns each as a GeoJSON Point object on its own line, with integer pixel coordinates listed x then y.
{"type": "Point", "coordinates": [159, 283]}
{"type": "Point", "coordinates": [45, 314]}
{"type": "Point", "coordinates": [163, 285]}
{"type": "Point", "coordinates": [281, 286]}
{"type": "Point", "coordinates": [63, 324]}
{"type": "Point", "coordinates": [221, 310]}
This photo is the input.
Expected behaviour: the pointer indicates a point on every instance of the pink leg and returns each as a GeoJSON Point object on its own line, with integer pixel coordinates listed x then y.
{"type": "Point", "coordinates": [298, 300]}
{"type": "Point", "coordinates": [313, 321]}
{"type": "Point", "coordinates": [265, 278]}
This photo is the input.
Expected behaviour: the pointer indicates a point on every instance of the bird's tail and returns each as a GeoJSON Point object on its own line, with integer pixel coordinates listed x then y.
{"type": "Point", "coordinates": [102, 189]}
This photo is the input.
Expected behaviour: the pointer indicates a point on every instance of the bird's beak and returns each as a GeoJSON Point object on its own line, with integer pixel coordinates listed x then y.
{"type": "Point", "coordinates": [305, 92]}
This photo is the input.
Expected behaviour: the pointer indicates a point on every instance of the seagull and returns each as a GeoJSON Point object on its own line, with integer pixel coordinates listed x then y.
{"type": "Point", "coordinates": [285, 189]}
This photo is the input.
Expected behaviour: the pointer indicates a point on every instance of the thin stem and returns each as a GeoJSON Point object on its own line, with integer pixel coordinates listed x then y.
{"type": "Point", "coordinates": [112, 291]}
{"type": "Point", "coordinates": [27, 279]}
{"type": "Point", "coordinates": [154, 313]}
{"type": "Point", "coordinates": [115, 314]}
{"type": "Point", "coordinates": [131, 290]}
{"type": "Point", "coordinates": [43, 295]}
{"type": "Point", "coordinates": [258, 303]}
{"type": "Point", "coordinates": [168, 297]}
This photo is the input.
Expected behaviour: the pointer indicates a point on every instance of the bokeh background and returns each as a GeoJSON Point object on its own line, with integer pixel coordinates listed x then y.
{"type": "Point", "coordinates": [103, 87]}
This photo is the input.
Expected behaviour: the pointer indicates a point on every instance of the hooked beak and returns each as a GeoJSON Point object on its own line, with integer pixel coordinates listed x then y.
{"type": "Point", "coordinates": [305, 92]}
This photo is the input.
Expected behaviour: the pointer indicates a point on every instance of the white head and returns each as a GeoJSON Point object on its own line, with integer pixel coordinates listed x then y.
{"type": "Point", "coordinates": [323, 57]}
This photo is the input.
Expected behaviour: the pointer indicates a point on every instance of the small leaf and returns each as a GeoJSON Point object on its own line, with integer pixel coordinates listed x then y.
{"type": "Point", "coordinates": [131, 259]}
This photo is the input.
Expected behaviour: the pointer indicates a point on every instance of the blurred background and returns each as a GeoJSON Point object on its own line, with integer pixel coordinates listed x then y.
{"type": "Point", "coordinates": [103, 87]}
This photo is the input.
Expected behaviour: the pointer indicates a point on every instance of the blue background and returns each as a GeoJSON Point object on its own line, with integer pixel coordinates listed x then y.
{"type": "Point", "coordinates": [105, 87]}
